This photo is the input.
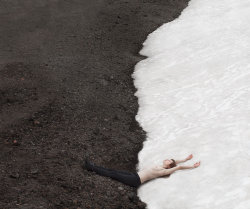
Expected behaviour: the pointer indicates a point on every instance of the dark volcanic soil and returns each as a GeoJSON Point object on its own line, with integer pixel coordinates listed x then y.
{"type": "Point", "coordinates": [66, 92]}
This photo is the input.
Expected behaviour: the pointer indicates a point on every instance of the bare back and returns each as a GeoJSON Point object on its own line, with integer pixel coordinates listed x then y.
{"type": "Point", "coordinates": [151, 173]}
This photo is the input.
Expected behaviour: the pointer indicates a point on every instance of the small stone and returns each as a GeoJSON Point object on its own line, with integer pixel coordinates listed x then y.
{"type": "Point", "coordinates": [36, 122]}
{"type": "Point", "coordinates": [14, 175]}
{"type": "Point", "coordinates": [15, 142]}
{"type": "Point", "coordinates": [120, 188]}
{"type": "Point", "coordinates": [34, 171]}
{"type": "Point", "coordinates": [131, 196]}
{"type": "Point", "coordinates": [96, 131]}
{"type": "Point", "coordinates": [141, 205]}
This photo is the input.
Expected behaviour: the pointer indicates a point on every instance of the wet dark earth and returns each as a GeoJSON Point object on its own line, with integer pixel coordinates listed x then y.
{"type": "Point", "coordinates": [66, 92]}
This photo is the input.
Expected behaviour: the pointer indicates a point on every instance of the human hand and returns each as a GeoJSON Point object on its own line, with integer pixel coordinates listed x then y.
{"type": "Point", "coordinates": [189, 157]}
{"type": "Point", "coordinates": [197, 164]}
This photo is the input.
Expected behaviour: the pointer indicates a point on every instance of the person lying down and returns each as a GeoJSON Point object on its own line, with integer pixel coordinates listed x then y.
{"type": "Point", "coordinates": [135, 179]}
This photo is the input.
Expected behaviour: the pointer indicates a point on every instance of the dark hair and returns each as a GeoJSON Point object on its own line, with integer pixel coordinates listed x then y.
{"type": "Point", "coordinates": [173, 164]}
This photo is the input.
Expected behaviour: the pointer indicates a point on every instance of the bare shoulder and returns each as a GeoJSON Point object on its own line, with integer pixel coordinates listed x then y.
{"type": "Point", "coordinates": [158, 168]}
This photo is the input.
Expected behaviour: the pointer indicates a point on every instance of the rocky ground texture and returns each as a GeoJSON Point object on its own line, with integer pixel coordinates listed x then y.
{"type": "Point", "coordinates": [66, 92]}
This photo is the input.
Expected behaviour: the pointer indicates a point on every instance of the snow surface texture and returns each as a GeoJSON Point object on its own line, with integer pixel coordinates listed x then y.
{"type": "Point", "coordinates": [194, 97]}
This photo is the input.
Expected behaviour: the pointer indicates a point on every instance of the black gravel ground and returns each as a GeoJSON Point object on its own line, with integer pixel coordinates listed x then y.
{"type": "Point", "coordinates": [66, 92]}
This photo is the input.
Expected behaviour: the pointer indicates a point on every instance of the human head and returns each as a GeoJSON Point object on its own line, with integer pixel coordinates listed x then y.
{"type": "Point", "coordinates": [169, 163]}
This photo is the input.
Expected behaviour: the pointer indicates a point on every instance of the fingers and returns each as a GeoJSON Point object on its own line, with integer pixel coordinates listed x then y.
{"type": "Point", "coordinates": [197, 164]}
{"type": "Point", "coordinates": [189, 157]}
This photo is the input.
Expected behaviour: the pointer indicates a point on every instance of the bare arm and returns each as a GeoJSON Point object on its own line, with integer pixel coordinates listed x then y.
{"type": "Point", "coordinates": [170, 170]}
{"type": "Point", "coordinates": [186, 159]}
{"type": "Point", "coordinates": [183, 167]}
{"type": "Point", "coordinates": [180, 167]}
{"type": "Point", "coordinates": [180, 161]}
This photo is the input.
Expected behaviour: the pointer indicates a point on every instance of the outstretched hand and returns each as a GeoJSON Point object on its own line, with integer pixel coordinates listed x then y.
{"type": "Point", "coordinates": [196, 164]}
{"type": "Point", "coordinates": [189, 157]}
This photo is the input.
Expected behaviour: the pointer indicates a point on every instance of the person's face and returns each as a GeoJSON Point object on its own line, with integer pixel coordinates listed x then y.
{"type": "Point", "coordinates": [166, 163]}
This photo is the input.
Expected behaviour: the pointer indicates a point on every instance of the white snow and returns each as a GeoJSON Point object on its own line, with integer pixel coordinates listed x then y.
{"type": "Point", "coordinates": [194, 97]}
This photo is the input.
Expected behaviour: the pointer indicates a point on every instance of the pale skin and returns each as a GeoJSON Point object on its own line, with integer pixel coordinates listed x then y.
{"type": "Point", "coordinates": [164, 169]}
